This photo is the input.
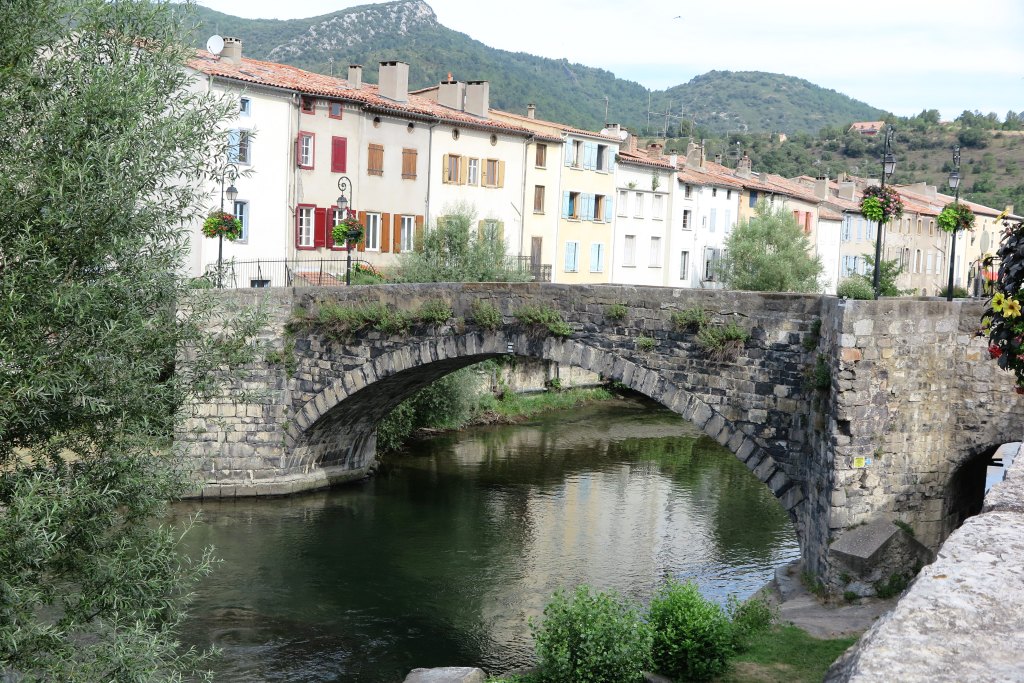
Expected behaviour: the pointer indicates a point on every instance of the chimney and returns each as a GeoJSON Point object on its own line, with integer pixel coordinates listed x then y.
{"type": "Point", "coordinates": [451, 94]}
{"type": "Point", "coordinates": [355, 76]}
{"type": "Point", "coordinates": [478, 96]}
{"type": "Point", "coordinates": [393, 81]}
{"type": "Point", "coordinates": [531, 111]}
{"type": "Point", "coordinates": [846, 190]}
{"type": "Point", "coordinates": [674, 160]}
{"type": "Point", "coordinates": [718, 159]}
{"type": "Point", "coordinates": [695, 155]}
{"type": "Point", "coordinates": [631, 143]}
{"type": "Point", "coordinates": [931, 192]}
{"type": "Point", "coordinates": [232, 52]}
{"type": "Point", "coordinates": [612, 129]}
{"type": "Point", "coordinates": [821, 187]}
{"type": "Point", "coordinates": [744, 167]}
{"type": "Point", "coordinates": [654, 149]}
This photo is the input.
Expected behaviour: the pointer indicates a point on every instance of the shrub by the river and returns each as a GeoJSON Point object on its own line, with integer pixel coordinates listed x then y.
{"type": "Point", "coordinates": [693, 638]}
{"type": "Point", "coordinates": [749, 620]}
{"type": "Point", "coordinates": [591, 638]}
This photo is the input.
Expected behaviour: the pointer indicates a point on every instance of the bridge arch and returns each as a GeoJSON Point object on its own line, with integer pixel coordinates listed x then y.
{"type": "Point", "coordinates": [337, 426]}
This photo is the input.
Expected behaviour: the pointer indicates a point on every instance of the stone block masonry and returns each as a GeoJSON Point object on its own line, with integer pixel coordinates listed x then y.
{"type": "Point", "coordinates": [911, 397]}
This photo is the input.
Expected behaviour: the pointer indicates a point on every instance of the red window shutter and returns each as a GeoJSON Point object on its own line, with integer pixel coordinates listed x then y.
{"type": "Point", "coordinates": [385, 234]}
{"type": "Point", "coordinates": [297, 210]}
{"type": "Point", "coordinates": [298, 151]}
{"type": "Point", "coordinates": [397, 239]}
{"type": "Point", "coordinates": [330, 227]}
{"type": "Point", "coordinates": [362, 220]}
{"type": "Point", "coordinates": [319, 228]}
{"type": "Point", "coordinates": [339, 155]}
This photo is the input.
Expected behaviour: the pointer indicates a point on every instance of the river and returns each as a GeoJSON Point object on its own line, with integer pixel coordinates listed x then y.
{"type": "Point", "coordinates": [443, 557]}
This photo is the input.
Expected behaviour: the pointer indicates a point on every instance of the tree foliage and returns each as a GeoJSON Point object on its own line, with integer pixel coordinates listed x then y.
{"type": "Point", "coordinates": [770, 253]}
{"type": "Point", "coordinates": [102, 158]}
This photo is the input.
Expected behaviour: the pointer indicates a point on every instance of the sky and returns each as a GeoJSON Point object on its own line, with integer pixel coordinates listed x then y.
{"type": "Point", "coordinates": [902, 56]}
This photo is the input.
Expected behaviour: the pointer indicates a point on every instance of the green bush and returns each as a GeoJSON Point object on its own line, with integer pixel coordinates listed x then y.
{"type": "Point", "coordinates": [645, 343]}
{"type": "Point", "coordinates": [891, 587]}
{"type": "Point", "coordinates": [749, 619]}
{"type": "Point", "coordinates": [855, 288]}
{"type": "Point", "coordinates": [722, 342]}
{"type": "Point", "coordinates": [616, 312]}
{"type": "Point", "coordinates": [692, 319]}
{"type": "Point", "coordinates": [444, 404]}
{"type": "Point", "coordinates": [544, 316]}
{"type": "Point", "coordinates": [486, 315]}
{"type": "Point", "coordinates": [692, 637]}
{"type": "Point", "coordinates": [435, 311]}
{"type": "Point", "coordinates": [958, 292]}
{"type": "Point", "coordinates": [821, 375]}
{"type": "Point", "coordinates": [591, 638]}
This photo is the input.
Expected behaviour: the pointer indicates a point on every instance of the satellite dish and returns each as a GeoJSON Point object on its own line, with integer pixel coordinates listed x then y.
{"type": "Point", "coordinates": [984, 242]}
{"type": "Point", "coordinates": [215, 45]}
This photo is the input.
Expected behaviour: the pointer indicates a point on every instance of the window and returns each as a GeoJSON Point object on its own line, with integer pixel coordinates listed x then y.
{"type": "Point", "coordinates": [372, 231]}
{"type": "Point", "coordinates": [453, 169]}
{"type": "Point", "coordinates": [244, 106]}
{"type": "Point", "coordinates": [656, 207]}
{"type": "Point", "coordinates": [655, 253]}
{"type": "Point", "coordinates": [629, 252]}
{"type": "Point", "coordinates": [601, 158]}
{"type": "Point", "coordinates": [308, 105]}
{"type": "Point", "coordinates": [728, 194]}
{"type": "Point", "coordinates": [240, 146]}
{"type": "Point", "coordinates": [931, 226]}
{"type": "Point", "coordinates": [598, 213]}
{"type": "Point", "coordinates": [577, 152]}
{"type": "Point", "coordinates": [375, 160]}
{"type": "Point", "coordinates": [687, 191]}
{"type": "Point", "coordinates": [728, 220]}
{"type": "Point", "coordinates": [337, 216]}
{"type": "Point", "coordinates": [917, 261]}
{"type": "Point", "coordinates": [571, 205]}
{"type": "Point", "coordinates": [710, 261]}
{"type": "Point", "coordinates": [714, 191]}
{"type": "Point", "coordinates": [684, 265]}
{"type": "Point", "coordinates": [687, 219]}
{"type": "Point", "coordinates": [407, 235]}
{"type": "Point", "coordinates": [753, 199]}
{"type": "Point", "coordinates": [304, 152]}
{"type": "Point", "coordinates": [572, 257]}
{"type": "Point", "coordinates": [538, 199]}
{"type": "Point", "coordinates": [638, 205]}
{"type": "Point", "coordinates": [597, 258]}
{"type": "Point", "coordinates": [304, 227]}
{"type": "Point", "coordinates": [494, 172]}
{"type": "Point", "coordinates": [492, 230]}
{"type": "Point", "coordinates": [474, 172]}
{"type": "Point", "coordinates": [930, 262]}
{"type": "Point", "coordinates": [920, 223]}
{"type": "Point", "coordinates": [623, 200]}
{"type": "Point", "coordinates": [714, 220]}
{"type": "Point", "coordinates": [542, 156]}
{"type": "Point", "coordinates": [339, 155]}
{"type": "Point", "coordinates": [409, 157]}
{"type": "Point", "coordinates": [242, 214]}
{"type": "Point", "coordinates": [334, 110]}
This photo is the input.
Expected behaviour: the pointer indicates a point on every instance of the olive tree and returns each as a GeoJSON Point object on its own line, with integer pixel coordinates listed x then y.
{"type": "Point", "coordinates": [770, 253]}
{"type": "Point", "coordinates": [104, 154]}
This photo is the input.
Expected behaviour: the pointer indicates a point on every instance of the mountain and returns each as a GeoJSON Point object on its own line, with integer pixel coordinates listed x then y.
{"type": "Point", "coordinates": [408, 30]}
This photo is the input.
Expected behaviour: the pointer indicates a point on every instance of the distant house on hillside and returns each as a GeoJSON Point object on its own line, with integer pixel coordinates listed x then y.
{"type": "Point", "coordinates": [867, 128]}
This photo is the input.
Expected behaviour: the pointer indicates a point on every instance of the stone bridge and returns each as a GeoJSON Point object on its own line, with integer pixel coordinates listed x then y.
{"type": "Point", "coordinates": [849, 411]}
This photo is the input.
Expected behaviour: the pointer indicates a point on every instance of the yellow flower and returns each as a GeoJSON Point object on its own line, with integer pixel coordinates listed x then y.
{"type": "Point", "coordinates": [998, 301]}
{"type": "Point", "coordinates": [1011, 309]}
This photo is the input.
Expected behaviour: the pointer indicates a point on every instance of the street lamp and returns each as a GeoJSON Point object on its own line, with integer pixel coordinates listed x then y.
{"type": "Point", "coordinates": [888, 166]}
{"type": "Point", "coordinates": [231, 170]}
{"type": "Point", "coordinates": [954, 183]}
{"type": "Point", "coordinates": [345, 188]}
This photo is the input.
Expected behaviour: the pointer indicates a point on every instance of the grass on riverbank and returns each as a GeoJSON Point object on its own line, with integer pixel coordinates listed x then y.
{"type": "Point", "coordinates": [511, 407]}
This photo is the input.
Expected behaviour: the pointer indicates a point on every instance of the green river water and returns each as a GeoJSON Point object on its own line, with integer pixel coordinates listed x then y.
{"type": "Point", "coordinates": [442, 558]}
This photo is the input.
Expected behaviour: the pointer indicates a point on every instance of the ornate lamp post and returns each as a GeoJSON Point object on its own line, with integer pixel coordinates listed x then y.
{"type": "Point", "coordinates": [345, 188]}
{"type": "Point", "coordinates": [888, 166]}
{"type": "Point", "coordinates": [954, 183]}
{"type": "Point", "coordinates": [230, 171]}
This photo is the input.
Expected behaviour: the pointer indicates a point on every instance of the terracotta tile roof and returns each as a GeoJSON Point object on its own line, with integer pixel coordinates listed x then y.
{"type": "Point", "coordinates": [826, 213]}
{"type": "Point", "coordinates": [276, 75]}
{"type": "Point", "coordinates": [563, 128]}
{"type": "Point", "coordinates": [710, 174]}
{"type": "Point", "coordinates": [643, 159]}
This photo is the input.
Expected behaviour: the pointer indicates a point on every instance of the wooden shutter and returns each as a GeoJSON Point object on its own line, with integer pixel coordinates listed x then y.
{"type": "Point", "coordinates": [501, 174]}
{"type": "Point", "coordinates": [418, 240]}
{"type": "Point", "coordinates": [501, 232]}
{"type": "Point", "coordinates": [362, 219]}
{"type": "Point", "coordinates": [479, 229]}
{"type": "Point", "coordinates": [463, 170]}
{"type": "Point", "coordinates": [397, 230]}
{"type": "Point", "coordinates": [385, 234]}
{"type": "Point", "coordinates": [298, 213]}
{"type": "Point", "coordinates": [409, 164]}
{"type": "Point", "coordinates": [444, 169]}
{"type": "Point", "coordinates": [298, 151]}
{"type": "Point", "coordinates": [319, 228]}
{"type": "Point", "coordinates": [339, 155]}
{"type": "Point", "coordinates": [483, 172]}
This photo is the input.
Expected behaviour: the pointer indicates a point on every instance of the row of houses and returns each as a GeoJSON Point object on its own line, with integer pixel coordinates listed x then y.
{"type": "Point", "coordinates": [574, 206]}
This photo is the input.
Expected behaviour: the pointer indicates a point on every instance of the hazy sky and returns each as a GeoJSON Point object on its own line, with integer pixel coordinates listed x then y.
{"type": "Point", "coordinates": [901, 55]}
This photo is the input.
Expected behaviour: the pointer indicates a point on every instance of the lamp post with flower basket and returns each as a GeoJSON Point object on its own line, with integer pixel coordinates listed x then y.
{"type": "Point", "coordinates": [954, 218]}
{"type": "Point", "coordinates": [348, 230]}
{"type": "Point", "coordinates": [220, 223]}
{"type": "Point", "coordinates": [881, 204]}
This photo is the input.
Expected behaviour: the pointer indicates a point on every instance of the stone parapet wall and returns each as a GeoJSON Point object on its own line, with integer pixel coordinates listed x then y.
{"type": "Point", "coordinates": [961, 619]}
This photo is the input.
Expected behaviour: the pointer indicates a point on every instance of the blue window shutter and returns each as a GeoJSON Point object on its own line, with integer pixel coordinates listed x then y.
{"type": "Point", "coordinates": [611, 208]}
{"type": "Point", "coordinates": [233, 138]}
{"type": "Point", "coordinates": [591, 205]}
{"type": "Point", "coordinates": [565, 204]}
{"type": "Point", "coordinates": [592, 155]}
{"type": "Point", "coordinates": [568, 152]}
{"type": "Point", "coordinates": [611, 158]}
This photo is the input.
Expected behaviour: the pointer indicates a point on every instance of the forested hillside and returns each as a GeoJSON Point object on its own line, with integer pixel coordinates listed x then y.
{"type": "Point", "coordinates": [408, 30]}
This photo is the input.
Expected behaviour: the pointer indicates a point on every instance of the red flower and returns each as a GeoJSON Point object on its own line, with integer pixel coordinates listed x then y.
{"type": "Point", "coordinates": [994, 351]}
{"type": "Point", "coordinates": [1020, 390]}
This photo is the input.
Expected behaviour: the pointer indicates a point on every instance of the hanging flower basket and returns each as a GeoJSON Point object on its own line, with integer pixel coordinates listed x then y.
{"type": "Point", "coordinates": [222, 224]}
{"type": "Point", "coordinates": [955, 217]}
{"type": "Point", "coordinates": [881, 204]}
{"type": "Point", "coordinates": [348, 231]}
{"type": "Point", "coordinates": [1003, 321]}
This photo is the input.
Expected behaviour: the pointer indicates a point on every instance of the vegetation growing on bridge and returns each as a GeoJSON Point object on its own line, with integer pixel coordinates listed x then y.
{"type": "Point", "coordinates": [721, 342]}
{"type": "Point", "coordinates": [544, 317]}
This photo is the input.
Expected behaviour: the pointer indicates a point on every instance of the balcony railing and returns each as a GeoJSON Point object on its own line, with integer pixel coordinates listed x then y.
{"type": "Point", "coordinates": [326, 272]}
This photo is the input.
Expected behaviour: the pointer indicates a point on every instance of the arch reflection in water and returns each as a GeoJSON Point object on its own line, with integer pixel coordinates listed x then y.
{"type": "Point", "coordinates": [442, 558]}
